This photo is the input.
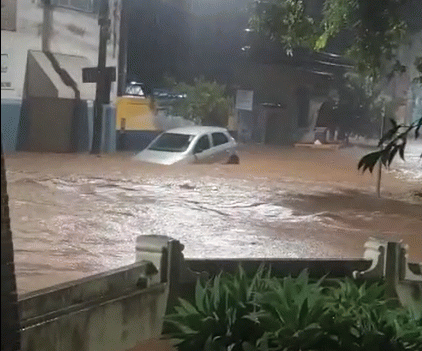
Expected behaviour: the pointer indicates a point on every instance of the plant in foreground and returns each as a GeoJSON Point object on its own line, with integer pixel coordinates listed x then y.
{"type": "Point", "coordinates": [265, 313]}
{"type": "Point", "coordinates": [217, 318]}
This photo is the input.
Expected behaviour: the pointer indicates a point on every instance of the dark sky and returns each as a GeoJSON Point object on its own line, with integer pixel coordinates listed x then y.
{"type": "Point", "coordinates": [184, 39]}
{"type": "Point", "coordinates": [189, 38]}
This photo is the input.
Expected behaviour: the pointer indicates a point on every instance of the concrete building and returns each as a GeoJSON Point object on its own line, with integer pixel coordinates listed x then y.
{"type": "Point", "coordinates": [45, 105]}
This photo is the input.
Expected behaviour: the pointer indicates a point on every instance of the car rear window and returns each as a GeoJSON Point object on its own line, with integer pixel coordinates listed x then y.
{"type": "Point", "coordinates": [219, 139]}
{"type": "Point", "coordinates": [172, 142]}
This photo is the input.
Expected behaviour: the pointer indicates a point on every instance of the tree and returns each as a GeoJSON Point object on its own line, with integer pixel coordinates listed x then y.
{"type": "Point", "coordinates": [377, 29]}
{"type": "Point", "coordinates": [395, 139]}
{"type": "Point", "coordinates": [10, 328]}
{"type": "Point", "coordinates": [361, 105]}
{"type": "Point", "coordinates": [205, 102]}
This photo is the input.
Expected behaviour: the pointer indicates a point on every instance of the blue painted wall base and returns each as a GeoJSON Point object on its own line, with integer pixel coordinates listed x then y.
{"type": "Point", "coordinates": [10, 116]}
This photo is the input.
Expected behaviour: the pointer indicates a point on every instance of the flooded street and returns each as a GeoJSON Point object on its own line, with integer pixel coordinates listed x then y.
{"type": "Point", "coordinates": [76, 215]}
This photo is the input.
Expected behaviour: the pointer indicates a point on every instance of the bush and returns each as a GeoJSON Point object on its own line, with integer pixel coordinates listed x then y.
{"type": "Point", "coordinates": [217, 320]}
{"type": "Point", "coordinates": [265, 313]}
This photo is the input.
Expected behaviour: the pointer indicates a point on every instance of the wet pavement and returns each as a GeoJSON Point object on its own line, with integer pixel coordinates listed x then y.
{"type": "Point", "coordinates": [76, 215]}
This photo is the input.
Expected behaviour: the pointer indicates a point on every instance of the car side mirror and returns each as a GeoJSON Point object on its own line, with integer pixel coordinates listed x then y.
{"type": "Point", "coordinates": [197, 150]}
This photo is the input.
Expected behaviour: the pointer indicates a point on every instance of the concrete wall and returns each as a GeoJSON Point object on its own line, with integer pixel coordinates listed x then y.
{"type": "Point", "coordinates": [41, 78]}
{"type": "Point", "coordinates": [106, 312]}
{"type": "Point", "coordinates": [50, 125]}
{"type": "Point", "coordinates": [74, 33]}
{"type": "Point", "coordinates": [84, 114]}
{"type": "Point", "coordinates": [278, 85]}
{"type": "Point", "coordinates": [31, 74]}
{"type": "Point", "coordinates": [10, 114]}
{"type": "Point", "coordinates": [66, 125]}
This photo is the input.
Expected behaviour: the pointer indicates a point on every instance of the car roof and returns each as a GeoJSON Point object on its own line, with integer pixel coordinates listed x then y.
{"type": "Point", "coordinates": [195, 130]}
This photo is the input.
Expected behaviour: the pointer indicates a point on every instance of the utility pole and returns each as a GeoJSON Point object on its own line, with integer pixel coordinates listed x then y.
{"type": "Point", "coordinates": [123, 43]}
{"type": "Point", "coordinates": [102, 94]}
{"type": "Point", "coordinates": [47, 25]}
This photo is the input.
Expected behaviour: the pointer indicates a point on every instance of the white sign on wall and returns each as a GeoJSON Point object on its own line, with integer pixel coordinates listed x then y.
{"type": "Point", "coordinates": [244, 100]}
{"type": "Point", "coordinates": [6, 73]}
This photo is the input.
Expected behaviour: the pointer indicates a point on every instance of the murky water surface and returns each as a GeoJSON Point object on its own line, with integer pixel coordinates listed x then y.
{"type": "Point", "coordinates": [75, 215]}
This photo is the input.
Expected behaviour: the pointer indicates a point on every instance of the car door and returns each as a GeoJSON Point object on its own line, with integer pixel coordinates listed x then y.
{"type": "Point", "coordinates": [202, 150]}
{"type": "Point", "coordinates": [221, 146]}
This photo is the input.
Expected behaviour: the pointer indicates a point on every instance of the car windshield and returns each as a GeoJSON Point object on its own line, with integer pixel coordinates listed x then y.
{"type": "Point", "coordinates": [172, 142]}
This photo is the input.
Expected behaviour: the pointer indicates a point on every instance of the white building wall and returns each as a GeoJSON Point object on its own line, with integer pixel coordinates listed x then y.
{"type": "Point", "coordinates": [74, 33]}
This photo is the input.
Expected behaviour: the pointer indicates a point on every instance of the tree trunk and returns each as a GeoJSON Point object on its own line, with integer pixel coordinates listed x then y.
{"type": "Point", "coordinates": [10, 328]}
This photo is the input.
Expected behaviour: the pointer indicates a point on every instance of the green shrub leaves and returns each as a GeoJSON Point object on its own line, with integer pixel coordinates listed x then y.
{"type": "Point", "coordinates": [264, 313]}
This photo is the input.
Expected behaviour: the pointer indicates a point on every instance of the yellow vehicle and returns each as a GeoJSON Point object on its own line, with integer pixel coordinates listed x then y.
{"type": "Point", "coordinates": [135, 119]}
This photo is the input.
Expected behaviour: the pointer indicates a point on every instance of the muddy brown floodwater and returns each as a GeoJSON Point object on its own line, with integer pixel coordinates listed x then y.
{"type": "Point", "coordinates": [76, 215]}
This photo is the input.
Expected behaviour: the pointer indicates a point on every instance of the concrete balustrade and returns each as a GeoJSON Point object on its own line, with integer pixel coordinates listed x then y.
{"type": "Point", "coordinates": [113, 311]}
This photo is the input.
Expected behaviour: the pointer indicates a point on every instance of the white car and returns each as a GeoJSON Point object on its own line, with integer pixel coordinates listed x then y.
{"type": "Point", "coordinates": [195, 144]}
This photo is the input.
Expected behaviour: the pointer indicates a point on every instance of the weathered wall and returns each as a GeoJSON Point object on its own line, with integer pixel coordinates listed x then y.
{"type": "Point", "coordinates": [41, 78]}
{"type": "Point", "coordinates": [10, 114]}
{"type": "Point", "coordinates": [65, 126]}
{"type": "Point", "coordinates": [84, 112]}
{"type": "Point", "coordinates": [278, 85]}
{"type": "Point", "coordinates": [74, 43]}
{"type": "Point", "coordinates": [105, 312]}
{"type": "Point", "coordinates": [50, 126]}
{"type": "Point", "coordinates": [75, 32]}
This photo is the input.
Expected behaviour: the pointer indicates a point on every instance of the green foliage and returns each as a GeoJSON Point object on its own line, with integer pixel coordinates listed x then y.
{"type": "Point", "coordinates": [358, 110]}
{"type": "Point", "coordinates": [376, 27]}
{"type": "Point", "coordinates": [265, 313]}
{"type": "Point", "coordinates": [363, 320]}
{"type": "Point", "coordinates": [285, 21]}
{"type": "Point", "coordinates": [396, 140]}
{"type": "Point", "coordinates": [292, 314]}
{"type": "Point", "coordinates": [217, 319]}
{"type": "Point", "coordinates": [205, 103]}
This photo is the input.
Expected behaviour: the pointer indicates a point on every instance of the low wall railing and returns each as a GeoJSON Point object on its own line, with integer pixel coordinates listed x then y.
{"type": "Point", "coordinates": [116, 310]}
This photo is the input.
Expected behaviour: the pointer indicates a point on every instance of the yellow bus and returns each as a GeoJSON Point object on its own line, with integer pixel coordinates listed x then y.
{"type": "Point", "coordinates": [136, 125]}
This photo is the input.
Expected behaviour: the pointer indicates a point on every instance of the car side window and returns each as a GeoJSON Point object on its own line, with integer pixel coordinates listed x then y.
{"type": "Point", "coordinates": [202, 144]}
{"type": "Point", "coordinates": [219, 139]}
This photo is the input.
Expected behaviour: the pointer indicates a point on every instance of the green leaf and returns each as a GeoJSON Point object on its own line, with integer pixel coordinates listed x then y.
{"type": "Point", "coordinates": [418, 127]}
{"type": "Point", "coordinates": [216, 291]}
{"type": "Point", "coordinates": [303, 314]}
{"type": "Point", "coordinates": [199, 296]}
{"type": "Point", "coordinates": [321, 43]}
{"type": "Point", "coordinates": [391, 155]}
{"type": "Point", "coordinates": [369, 161]}
{"type": "Point", "coordinates": [188, 307]}
{"type": "Point", "coordinates": [401, 150]}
